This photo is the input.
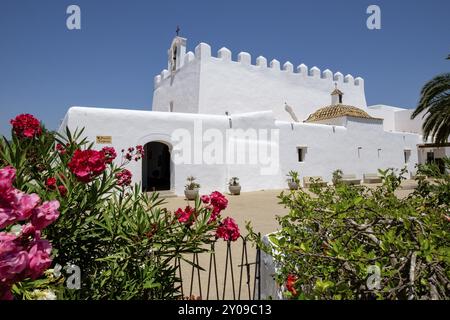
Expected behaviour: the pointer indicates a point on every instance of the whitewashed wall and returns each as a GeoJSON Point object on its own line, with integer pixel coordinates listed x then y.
{"type": "Point", "coordinates": [182, 88]}
{"type": "Point", "coordinates": [336, 147]}
{"type": "Point", "coordinates": [241, 84]}
{"type": "Point", "coordinates": [328, 147]}
{"type": "Point", "coordinates": [397, 119]}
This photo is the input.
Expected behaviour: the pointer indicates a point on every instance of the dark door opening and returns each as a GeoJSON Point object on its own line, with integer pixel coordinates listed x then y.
{"type": "Point", "coordinates": [156, 167]}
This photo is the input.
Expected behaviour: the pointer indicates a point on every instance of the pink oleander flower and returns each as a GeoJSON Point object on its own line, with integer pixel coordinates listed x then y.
{"type": "Point", "coordinates": [13, 258]}
{"type": "Point", "coordinates": [140, 150]}
{"type": "Point", "coordinates": [5, 292]}
{"type": "Point", "coordinates": [7, 177]}
{"type": "Point", "coordinates": [45, 214]}
{"type": "Point", "coordinates": [24, 255]}
{"type": "Point", "coordinates": [26, 126]}
{"type": "Point", "coordinates": [110, 154]}
{"type": "Point", "coordinates": [39, 258]}
{"type": "Point", "coordinates": [16, 206]}
{"type": "Point", "coordinates": [124, 178]}
{"type": "Point", "coordinates": [29, 230]}
{"type": "Point", "coordinates": [228, 230]}
{"type": "Point", "coordinates": [87, 164]}
{"type": "Point", "coordinates": [184, 216]}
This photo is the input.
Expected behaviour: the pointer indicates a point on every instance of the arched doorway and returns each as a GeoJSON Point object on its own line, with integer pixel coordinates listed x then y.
{"type": "Point", "coordinates": [156, 167]}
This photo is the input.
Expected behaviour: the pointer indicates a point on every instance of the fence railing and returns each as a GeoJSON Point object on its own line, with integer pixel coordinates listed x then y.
{"type": "Point", "coordinates": [229, 270]}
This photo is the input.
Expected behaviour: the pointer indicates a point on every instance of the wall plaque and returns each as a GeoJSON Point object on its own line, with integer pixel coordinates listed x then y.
{"type": "Point", "coordinates": [104, 139]}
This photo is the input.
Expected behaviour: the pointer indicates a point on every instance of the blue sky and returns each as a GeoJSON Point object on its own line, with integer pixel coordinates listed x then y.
{"type": "Point", "coordinates": [112, 60]}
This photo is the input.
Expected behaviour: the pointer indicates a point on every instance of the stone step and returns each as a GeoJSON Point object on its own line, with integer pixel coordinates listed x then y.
{"type": "Point", "coordinates": [164, 193]}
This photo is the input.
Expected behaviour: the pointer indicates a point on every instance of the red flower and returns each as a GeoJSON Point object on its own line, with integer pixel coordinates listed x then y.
{"type": "Point", "coordinates": [87, 164]}
{"type": "Point", "coordinates": [140, 150]}
{"type": "Point", "coordinates": [228, 230]}
{"type": "Point", "coordinates": [51, 183]}
{"type": "Point", "coordinates": [205, 199]}
{"type": "Point", "coordinates": [110, 154]}
{"type": "Point", "coordinates": [218, 201]}
{"type": "Point", "coordinates": [290, 284]}
{"type": "Point", "coordinates": [26, 126]}
{"type": "Point", "coordinates": [124, 177]}
{"type": "Point", "coordinates": [62, 190]}
{"type": "Point", "coordinates": [60, 148]}
{"type": "Point", "coordinates": [184, 216]}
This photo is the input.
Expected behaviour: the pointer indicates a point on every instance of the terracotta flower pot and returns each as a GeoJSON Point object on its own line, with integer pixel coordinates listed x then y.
{"type": "Point", "coordinates": [191, 194]}
{"type": "Point", "coordinates": [293, 185]}
{"type": "Point", "coordinates": [235, 190]}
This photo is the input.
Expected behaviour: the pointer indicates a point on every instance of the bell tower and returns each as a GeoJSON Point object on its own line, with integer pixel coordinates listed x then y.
{"type": "Point", "coordinates": [336, 96]}
{"type": "Point", "coordinates": [176, 53]}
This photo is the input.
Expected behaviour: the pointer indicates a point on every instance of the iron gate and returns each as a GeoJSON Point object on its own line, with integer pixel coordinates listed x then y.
{"type": "Point", "coordinates": [198, 279]}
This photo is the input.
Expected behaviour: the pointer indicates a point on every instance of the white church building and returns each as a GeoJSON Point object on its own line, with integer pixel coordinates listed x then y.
{"type": "Point", "coordinates": [215, 117]}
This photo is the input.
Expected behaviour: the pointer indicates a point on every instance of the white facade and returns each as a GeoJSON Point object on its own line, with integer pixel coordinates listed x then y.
{"type": "Point", "coordinates": [213, 95]}
{"type": "Point", "coordinates": [210, 84]}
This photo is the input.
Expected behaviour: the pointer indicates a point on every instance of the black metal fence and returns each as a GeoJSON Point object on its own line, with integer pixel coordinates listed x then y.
{"type": "Point", "coordinates": [197, 280]}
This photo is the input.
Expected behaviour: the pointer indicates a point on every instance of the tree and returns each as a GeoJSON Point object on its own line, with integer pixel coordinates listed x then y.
{"type": "Point", "coordinates": [435, 101]}
{"type": "Point", "coordinates": [355, 242]}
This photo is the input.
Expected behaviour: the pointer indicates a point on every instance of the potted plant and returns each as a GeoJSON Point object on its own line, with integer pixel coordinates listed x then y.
{"type": "Point", "coordinates": [293, 180]}
{"type": "Point", "coordinates": [191, 188]}
{"type": "Point", "coordinates": [337, 177]}
{"type": "Point", "coordinates": [234, 186]}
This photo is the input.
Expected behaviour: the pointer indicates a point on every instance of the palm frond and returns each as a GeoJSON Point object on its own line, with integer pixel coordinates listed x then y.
{"type": "Point", "coordinates": [434, 103]}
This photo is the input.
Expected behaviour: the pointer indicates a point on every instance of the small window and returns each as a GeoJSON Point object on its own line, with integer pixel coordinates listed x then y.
{"type": "Point", "coordinates": [171, 106]}
{"type": "Point", "coordinates": [407, 154]}
{"type": "Point", "coordinates": [301, 152]}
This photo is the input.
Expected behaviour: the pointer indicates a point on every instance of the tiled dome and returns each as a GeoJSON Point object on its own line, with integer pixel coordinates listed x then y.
{"type": "Point", "coordinates": [336, 111]}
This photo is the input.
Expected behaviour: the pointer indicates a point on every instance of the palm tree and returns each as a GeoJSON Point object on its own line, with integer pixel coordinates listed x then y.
{"type": "Point", "coordinates": [435, 101]}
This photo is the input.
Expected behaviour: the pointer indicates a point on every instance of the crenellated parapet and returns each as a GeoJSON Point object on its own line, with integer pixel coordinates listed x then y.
{"type": "Point", "coordinates": [202, 52]}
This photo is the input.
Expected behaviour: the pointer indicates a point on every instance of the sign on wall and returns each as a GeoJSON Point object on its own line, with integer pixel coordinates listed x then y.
{"type": "Point", "coordinates": [104, 139]}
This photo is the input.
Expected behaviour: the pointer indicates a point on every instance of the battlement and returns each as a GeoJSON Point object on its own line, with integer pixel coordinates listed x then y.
{"type": "Point", "coordinates": [203, 53]}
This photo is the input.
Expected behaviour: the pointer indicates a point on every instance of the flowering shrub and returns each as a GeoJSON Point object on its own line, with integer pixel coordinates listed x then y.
{"type": "Point", "coordinates": [124, 242]}
{"type": "Point", "coordinates": [23, 254]}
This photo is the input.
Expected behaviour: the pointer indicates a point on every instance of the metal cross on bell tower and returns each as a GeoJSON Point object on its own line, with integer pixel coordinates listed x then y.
{"type": "Point", "coordinates": [178, 30]}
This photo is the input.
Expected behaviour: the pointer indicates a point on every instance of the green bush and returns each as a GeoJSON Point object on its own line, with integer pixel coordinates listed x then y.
{"type": "Point", "coordinates": [333, 241]}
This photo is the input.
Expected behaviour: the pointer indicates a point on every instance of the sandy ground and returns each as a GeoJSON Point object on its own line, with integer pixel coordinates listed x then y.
{"type": "Point", "coordinates": [260, 208]}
